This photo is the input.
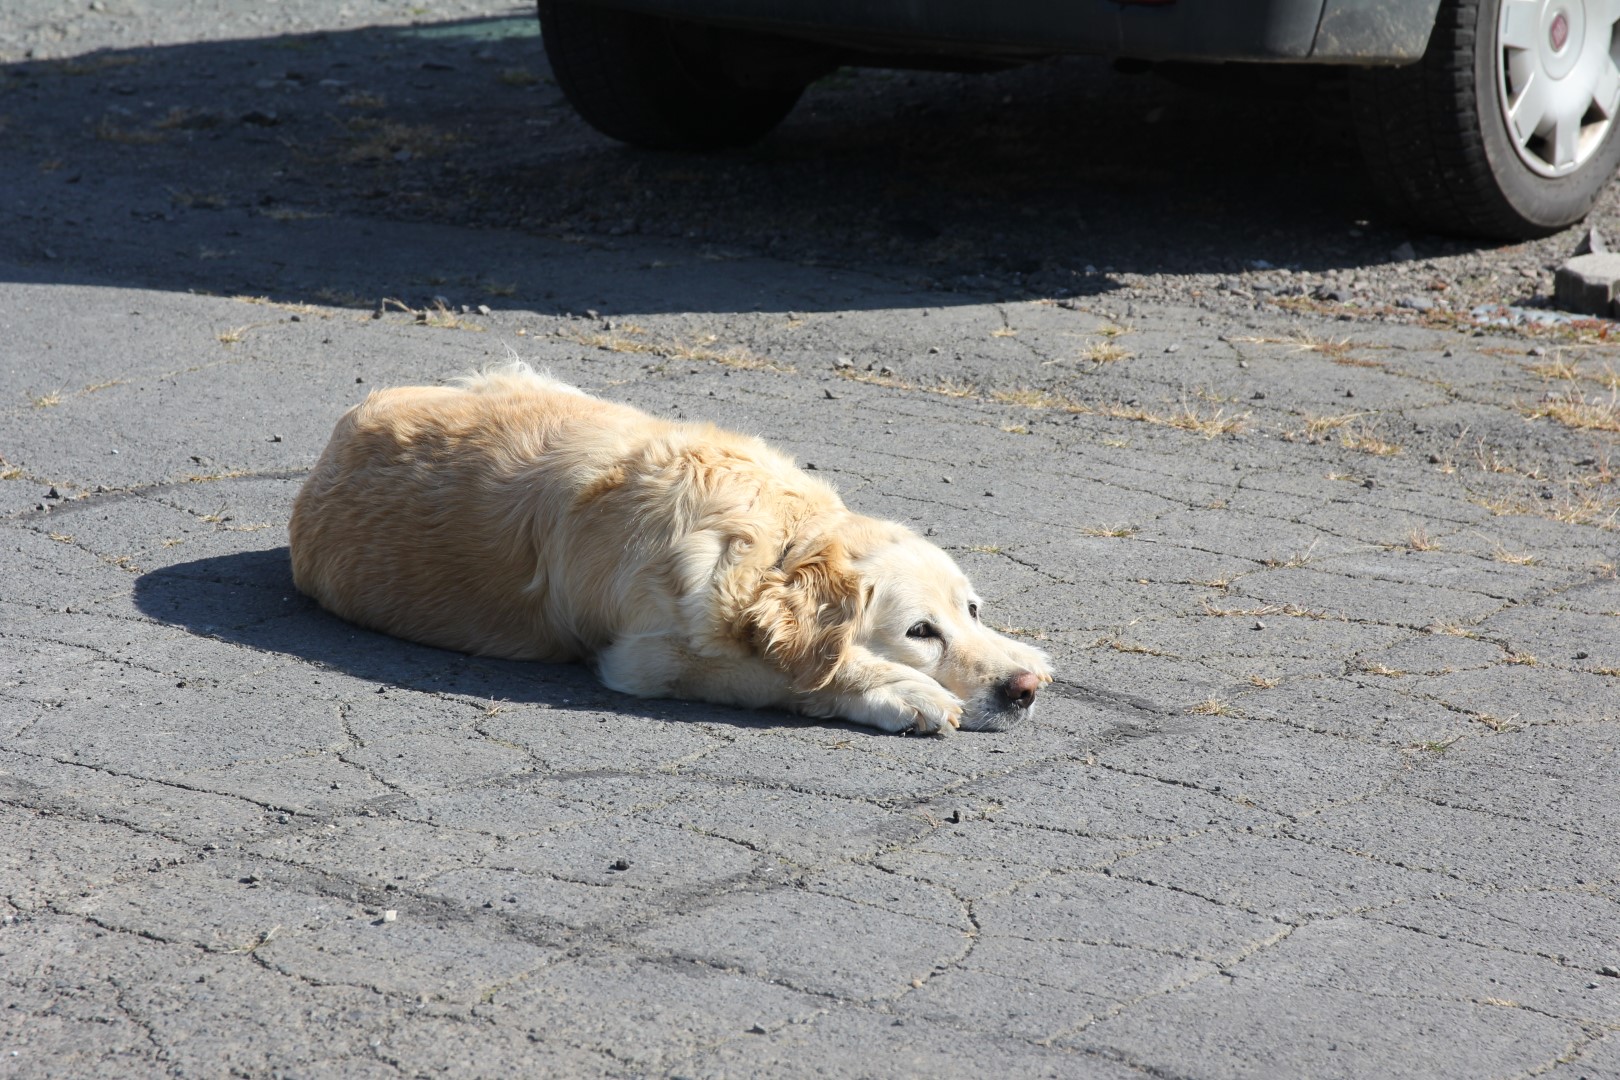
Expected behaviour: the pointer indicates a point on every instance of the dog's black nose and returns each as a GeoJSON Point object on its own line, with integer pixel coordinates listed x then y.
{"type": "Point", "coordinates": [1019, 690]}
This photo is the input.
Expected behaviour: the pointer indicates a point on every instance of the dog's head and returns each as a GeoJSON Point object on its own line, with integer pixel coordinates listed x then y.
{"type": "Point", "coordinates": [880, 587]}
{"type": "Point", "coordinates": [920, 610]}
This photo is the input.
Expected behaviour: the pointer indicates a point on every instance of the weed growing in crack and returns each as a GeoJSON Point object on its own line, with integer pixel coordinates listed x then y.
{"type": "Point", "coordinates": [1123, 646]}
{"type": "Point", "coordinates": [1293, 611]}
{"type": "Point", "coordinates": [1432, 746]}
{"type": "Point", "coordinates": [1317, 428]}
{"type": "Point", "coordinates": [1030, 398]}
{"type": "Point", "coordinates": [1105, 352]}
{"type": "Point", "coordinates": [440, 316]}
{"type": "Point", "coordinates": [1574, 409]}
{"type": "Point", "coordinates": [1296, 560]}
{"type": "Point", "coordinates": [1495, 723]}
{"type": "Point", "coordinates": [1303, 342]}
{"type": "Point", "coordinates": [1418, 539]}
{"type": "Point", "coordinates": [1363, 440]}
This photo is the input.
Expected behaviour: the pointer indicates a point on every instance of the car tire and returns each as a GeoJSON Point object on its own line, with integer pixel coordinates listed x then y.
{"type": "Point", "coordinates": [1442, 138]}
{"type": "Point", "coordinates": [658, 83]}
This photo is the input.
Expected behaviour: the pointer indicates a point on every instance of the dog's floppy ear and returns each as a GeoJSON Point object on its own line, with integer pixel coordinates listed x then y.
{"type": "Point", "coordinates": [803, 615]}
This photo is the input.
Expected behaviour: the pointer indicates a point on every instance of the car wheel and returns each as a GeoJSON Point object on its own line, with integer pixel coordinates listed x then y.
{"type": "Point", "coordinates": [663, 84]}
{"type": "Point", "coordinates": [1506, 127]}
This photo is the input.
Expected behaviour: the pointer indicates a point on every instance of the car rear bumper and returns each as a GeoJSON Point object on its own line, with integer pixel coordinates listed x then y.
{"type": "Point", "coordinates": [1298, 31]}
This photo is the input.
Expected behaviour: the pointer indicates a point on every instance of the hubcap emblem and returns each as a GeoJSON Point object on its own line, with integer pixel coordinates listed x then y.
{"type": "Point", "coordinates": [1558, 33]}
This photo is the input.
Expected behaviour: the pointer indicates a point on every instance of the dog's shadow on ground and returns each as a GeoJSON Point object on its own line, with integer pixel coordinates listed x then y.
{"type": "Point", "coordinates": [248, 599]}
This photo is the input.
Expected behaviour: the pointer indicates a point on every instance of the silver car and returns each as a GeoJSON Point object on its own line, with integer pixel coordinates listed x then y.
{"type": "Point", "coordinates": [1489, 117]}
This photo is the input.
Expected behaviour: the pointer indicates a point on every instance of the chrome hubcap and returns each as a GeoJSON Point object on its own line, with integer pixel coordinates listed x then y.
{"type": "Point", "coordinates": [1558, 79]}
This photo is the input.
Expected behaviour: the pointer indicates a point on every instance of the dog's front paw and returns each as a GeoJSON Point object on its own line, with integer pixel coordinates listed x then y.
{"type": "Point", "coordinates": [934, 710]}
{"type": "Point", "coordinates": [908, 701]}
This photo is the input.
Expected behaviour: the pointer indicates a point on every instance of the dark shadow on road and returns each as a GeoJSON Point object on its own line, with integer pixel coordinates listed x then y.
{"type": "Point", "coordinates": [441, 161]}
{"type": "Point", "coordinates": [249, 599]}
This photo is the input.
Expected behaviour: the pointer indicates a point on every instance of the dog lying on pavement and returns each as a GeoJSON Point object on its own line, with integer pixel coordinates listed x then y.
{"type": "Point", "coordinates": [513, 515]}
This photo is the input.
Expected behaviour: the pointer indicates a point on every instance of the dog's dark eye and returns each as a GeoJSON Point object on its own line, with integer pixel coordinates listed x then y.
{"type": "Point", "coordinates": [973, 610]}
{"type": "Point", "coordinates": [923, 630]}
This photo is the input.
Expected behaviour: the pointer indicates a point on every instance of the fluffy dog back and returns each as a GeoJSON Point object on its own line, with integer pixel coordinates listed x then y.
{"type": "Point", "coordinates": [511, 515]}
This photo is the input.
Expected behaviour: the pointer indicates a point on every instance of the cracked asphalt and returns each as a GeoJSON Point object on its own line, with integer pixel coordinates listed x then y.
{"type": "Point", "coordinates": [1328, 785]}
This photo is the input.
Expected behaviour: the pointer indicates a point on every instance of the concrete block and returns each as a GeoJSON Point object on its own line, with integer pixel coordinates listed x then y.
{"type": "Point", "coordinates": [1588, 284]}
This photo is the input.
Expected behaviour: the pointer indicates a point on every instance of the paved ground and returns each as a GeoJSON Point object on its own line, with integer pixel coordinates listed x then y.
{"type": "Point", "coordinates": [1328, 785]}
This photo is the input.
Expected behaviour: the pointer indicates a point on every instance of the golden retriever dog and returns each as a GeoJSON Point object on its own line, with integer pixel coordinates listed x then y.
{"type": "Point", "coordinates": [513, 515]}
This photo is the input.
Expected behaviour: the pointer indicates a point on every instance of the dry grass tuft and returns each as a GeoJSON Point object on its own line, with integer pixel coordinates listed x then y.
{"type": "Point", "coordinates": [1418, 539]}
{"type": "Point", "coordinates": [1030, 398]}
{"type": "Point", "coordinates": [876, 378]}
{"type": "Point", "coordinates": [1495, 723]}
{"type": "Point", "coordinates": [1113, 531]}
{"type": "Point", "coordinates": [1105, 352]}
{"type": "Point", "coordinates": [1575, 410]}
{"type": "Point", "coordinates": [1304, 342]}
{"type": "Point", "coordinates": [1554, 367]}
{"type": "Point", "coordinates": [1363, 440]}
{"type": "Point", "coordinates": [1266, 610]}
{"type": "Point", "coordinates": [1121, 645]}
{"type": "Point", "coordinates": [1211, 707]}
{"type": "Point", "coordinates": [1188, 418]}
{"type": "Point", "coordinates": [700, 348]}
{"type": "Point", "coordinates": [1296, 560]}
{"type": "Point", "coordinates": [956, 388]}
{"type": "Point", "coordinates": [1317, 428]}
{"type": "Point", "coordinates": [440, 316]}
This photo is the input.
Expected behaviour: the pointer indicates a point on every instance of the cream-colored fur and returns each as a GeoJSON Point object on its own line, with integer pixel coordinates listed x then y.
{"type": "Point", "coordinates": [512, 515]}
